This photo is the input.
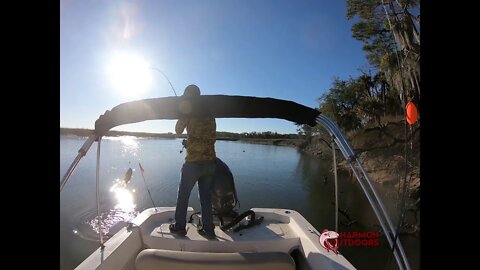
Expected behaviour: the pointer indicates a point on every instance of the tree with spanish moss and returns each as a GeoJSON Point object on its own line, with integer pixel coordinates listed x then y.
{"type": "Point", "coordinates": [390, 33]}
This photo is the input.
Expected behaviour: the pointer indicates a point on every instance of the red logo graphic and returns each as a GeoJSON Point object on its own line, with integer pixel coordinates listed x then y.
{"type": "Point", "coordinates": [328, 240]}
{"type": "Point", "coordinates": [359, 239]}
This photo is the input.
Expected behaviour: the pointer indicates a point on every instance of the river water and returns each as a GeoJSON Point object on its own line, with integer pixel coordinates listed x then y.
{"type": "Point", "coordinates": [265, 176]}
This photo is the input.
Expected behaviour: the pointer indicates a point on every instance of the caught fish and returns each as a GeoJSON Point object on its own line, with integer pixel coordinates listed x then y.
{"type": "Point", "coordinates": [128, 176]}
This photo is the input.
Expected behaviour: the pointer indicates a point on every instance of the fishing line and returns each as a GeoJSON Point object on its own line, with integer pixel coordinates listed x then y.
{"type": "Point", "coordinates": [154, 68]}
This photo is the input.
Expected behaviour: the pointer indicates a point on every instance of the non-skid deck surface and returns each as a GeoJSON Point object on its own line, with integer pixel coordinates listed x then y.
{"type": "Point", "coordinates": [264, 231]}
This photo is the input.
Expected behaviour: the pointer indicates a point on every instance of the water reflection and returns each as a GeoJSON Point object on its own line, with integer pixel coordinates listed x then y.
{"type": "Point", "coordinates": [124, 196]}
{"type": "Point", "coordinates": [129, 144]}
{"type": "Point", "coordinates": [123, 212]}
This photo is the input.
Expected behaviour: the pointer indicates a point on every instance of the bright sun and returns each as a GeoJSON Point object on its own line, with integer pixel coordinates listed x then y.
{"type": "Point", "coordinates": [129, 74]}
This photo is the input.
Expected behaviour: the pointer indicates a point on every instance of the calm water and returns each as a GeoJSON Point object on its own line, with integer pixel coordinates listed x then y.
{"type": "Point", "coordinates": [265, 176]}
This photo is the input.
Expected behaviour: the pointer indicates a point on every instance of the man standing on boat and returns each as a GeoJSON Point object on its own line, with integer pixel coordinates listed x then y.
{"type": "Point", "coordinates": [199, 166]}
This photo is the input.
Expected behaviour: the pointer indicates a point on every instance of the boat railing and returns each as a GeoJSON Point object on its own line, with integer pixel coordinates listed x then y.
{"type": "Point", "coordinates": [81, 153]}
{"type": "Point", "coordinates": [367, 187]}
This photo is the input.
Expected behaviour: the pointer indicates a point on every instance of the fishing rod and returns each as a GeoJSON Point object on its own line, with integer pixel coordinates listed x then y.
{"type": "Point", "coordinates": [149, 194]}
{"type": "Point", "coordinates": [164, 75]}
{"type": "Point", "coordinates": [154, 68]}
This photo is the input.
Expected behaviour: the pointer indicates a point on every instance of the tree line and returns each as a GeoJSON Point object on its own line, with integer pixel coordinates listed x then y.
{"type": "Point", "coordinates": [390, 33]}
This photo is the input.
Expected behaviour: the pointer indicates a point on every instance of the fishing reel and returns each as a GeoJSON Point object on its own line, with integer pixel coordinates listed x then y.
{"type": "Point", "coordinates": [184, 143]}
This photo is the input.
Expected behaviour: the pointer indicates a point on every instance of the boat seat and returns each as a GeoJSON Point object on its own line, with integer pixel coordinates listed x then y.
{"type": "Point", "coordinates": [150, 259]}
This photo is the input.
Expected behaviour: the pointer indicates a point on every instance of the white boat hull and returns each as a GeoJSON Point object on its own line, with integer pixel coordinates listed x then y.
{"type": "Point", "coordinates": [281, 230]}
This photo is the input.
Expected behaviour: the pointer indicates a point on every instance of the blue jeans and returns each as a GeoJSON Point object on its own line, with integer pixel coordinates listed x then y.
{"type": "Point", "coordinates": [193, 171]}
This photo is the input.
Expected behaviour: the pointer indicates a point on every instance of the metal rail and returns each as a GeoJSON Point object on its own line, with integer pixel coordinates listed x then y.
{"type": "Point", "coordinates": [81, 153]}
{"type": "Point", "coordinates": [98, 194]}
{"type": "Point", "coordinates": [368, 189]}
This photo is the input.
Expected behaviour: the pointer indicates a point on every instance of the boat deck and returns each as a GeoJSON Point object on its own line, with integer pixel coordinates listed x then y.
{"type": "Point", "coordinates": [273, 234]}
{"type": "Point", "coordinates": [281, 231]}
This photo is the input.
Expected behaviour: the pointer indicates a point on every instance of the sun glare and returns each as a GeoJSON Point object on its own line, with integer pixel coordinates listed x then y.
{"type": "Point", "coordinates": [125, 200]}
{"type": "Point", "coordinates": [129, 74]}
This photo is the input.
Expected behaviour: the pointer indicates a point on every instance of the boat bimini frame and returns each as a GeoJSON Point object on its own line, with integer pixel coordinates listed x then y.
{"type": "Point", "coordinates": [223, 106]}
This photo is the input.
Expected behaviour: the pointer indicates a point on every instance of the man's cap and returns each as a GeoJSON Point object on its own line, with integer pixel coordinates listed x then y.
{"type": "Point", "coordinates": [191, 90]}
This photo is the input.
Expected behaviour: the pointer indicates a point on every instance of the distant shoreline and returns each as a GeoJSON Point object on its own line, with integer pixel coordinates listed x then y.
{"type": "Point", "coordinates": [221, 136]}
{"type": "Point", "coordinates": [81, 132]}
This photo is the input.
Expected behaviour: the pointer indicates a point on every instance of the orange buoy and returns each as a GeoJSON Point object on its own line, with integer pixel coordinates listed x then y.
{"type": "Point", "coordinates": [412, 113]}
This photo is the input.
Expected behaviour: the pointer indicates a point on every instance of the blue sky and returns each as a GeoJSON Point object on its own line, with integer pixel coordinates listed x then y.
{"type": "Point", "coordinates": [282, 49]}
